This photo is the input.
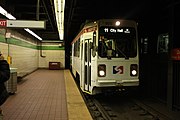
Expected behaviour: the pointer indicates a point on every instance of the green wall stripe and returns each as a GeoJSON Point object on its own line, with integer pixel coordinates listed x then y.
{"type": "Point", "coordinates": [50, 48]}
{"type": "Point", "coordinates": [2, 39]}
{"type": "Point", "coordinates": [17, 42]}
{"type": "Point", "coordinates": [21, 43]}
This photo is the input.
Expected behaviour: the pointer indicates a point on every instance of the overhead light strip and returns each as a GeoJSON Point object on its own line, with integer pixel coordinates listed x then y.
{"type": "Point", "coordinates": [59, 11]}
{"type": "Point", "coordinates": [5, 13]}
{"type": "Point", "coordinates": [32, 33]}
{"type": "Point", "coordinates": [9, 16]}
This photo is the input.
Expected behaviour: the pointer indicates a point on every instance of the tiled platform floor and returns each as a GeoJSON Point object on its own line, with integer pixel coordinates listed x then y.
{"type": "Point", "coordinates": [40, 96]}
{"type": "Point", "coordinates": [49, 95]}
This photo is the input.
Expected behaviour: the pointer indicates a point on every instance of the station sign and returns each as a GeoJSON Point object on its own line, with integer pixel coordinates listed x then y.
{"type": "Point", "coordinates": [23, 24]}
{"type": "Point", "coordinates": [3, 23]}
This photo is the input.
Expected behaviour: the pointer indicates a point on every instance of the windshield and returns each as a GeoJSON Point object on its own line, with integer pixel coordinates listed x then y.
{"type": "Point", "coordinates": [117, 42]}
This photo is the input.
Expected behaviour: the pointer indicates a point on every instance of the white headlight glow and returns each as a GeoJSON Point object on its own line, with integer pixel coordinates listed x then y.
{"type": "Point", "coordinates": [101, 73]}
{"type": "Point", "coordinates": [134, 72]}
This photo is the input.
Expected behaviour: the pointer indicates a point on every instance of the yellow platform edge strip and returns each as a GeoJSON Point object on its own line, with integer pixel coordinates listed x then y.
{"type": "Point", "coordinates": [77, 109]}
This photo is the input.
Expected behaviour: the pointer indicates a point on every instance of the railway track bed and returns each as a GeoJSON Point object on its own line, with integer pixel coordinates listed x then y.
{"type": "Point", "coordinates": [120, 107]}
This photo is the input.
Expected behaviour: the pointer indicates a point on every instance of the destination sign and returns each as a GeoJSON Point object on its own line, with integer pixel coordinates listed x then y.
{"type": "Point", "coordinates": [124, 30]}
{"type": "Point", "coordinates": [116, 30]}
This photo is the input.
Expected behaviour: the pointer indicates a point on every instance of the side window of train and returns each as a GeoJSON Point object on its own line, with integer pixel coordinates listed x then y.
{"type": "Point", "coordinates": [74, 51]}
{"type": "Point", "coordinates": [144, 45]}
{"type": "Point", "coordinates": [85, 52]}
{"type": "Point", "coordinates": [78, 47]}
{"type": "Point", "coordinates": [82, 51]}
{"type": "Point", "coordinates": [94, 47]}
{"type": "Point", "coordinates": [162, 43]}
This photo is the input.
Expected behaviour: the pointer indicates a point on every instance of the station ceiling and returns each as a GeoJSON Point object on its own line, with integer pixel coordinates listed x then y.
{"type": "Point", "coordinates": [79, 11]}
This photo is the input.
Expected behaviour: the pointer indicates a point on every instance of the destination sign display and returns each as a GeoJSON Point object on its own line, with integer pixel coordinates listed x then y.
{"type": "Point", "coordinates": [116, 30]}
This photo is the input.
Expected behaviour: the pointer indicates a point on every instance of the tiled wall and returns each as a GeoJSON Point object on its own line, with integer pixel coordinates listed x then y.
{"type": "Point", "coordinates": [26, 53]}
{"type": "Point", "coordinates": [23, 52]}
{"type": "Point", "coordinates": [23, 58]}
{"type": "Point", "coordinates": [4, 49]}
{"type": "Point", "coordinates": [51, 56]}
{"type": "Point", "coordinates": [51, 52]}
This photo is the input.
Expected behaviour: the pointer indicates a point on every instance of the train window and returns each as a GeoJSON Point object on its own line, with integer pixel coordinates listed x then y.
{"type": "Point", "coordinates": [94, 44]}
{"type": "Point", "coordinates": [121, 41]}
{"type": "Point", "coordinates": [81, 51]}
{"type": "Point", "coordinates": [74, 49]}
{"type": "Point", "coordinates": [85, 52]}
{"type": "Point", "coordinates": [162, 43]}
{"type": "Point", "coordinates": [94, 38]}
{"type": "Point", "coordinates": [90, 52]}
{"type": "Point", "coordinates": [77, 48]}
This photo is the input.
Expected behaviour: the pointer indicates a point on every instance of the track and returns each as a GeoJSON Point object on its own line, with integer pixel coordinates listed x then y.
{"type": "Point", "coordinates": [120, 106]}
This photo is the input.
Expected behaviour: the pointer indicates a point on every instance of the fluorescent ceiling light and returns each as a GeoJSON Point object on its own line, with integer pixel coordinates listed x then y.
{"type": "Point", "coordinates": [32, 33]}
{"type": "Point", "coordinates": [9, 16]}
{"type": "Point", "coordinates": [59, 11]}
{"type": "Point", "coordinates": [5, 13]}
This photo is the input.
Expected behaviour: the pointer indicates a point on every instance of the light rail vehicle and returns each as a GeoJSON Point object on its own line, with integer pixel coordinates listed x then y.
{"type": "Point", "coordinates": [105, 55]}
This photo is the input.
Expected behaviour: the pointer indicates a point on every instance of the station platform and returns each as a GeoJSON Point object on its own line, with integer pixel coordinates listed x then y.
{"type": "Point", "coordinates": [46, 95]}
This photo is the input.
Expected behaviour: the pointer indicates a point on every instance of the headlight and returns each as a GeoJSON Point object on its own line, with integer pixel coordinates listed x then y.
{"type": "Point", "coordinates": [101, 70]}
{"type": "Point", "coordinates": [101, 73]}
{"type": "Point", "coordinates": [134, 70]}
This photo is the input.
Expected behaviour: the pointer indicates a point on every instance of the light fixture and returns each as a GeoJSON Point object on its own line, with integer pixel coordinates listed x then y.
{"type": "Point", "coordinates": [9, 16]}
{"type": "Point", "coordinates": [118, 23]}
{"type": "Point", "coordinates": [5, 13]}
{"type": "Point", "coordinates": [32, 33]}
{"type": "Point", "coordinates": [59, 11]}
{"type": "Point", "coordinates": [102, 70]}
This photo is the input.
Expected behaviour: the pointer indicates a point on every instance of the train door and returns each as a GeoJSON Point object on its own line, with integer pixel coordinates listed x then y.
{"type": "Point", "coordinates": [86, 66]}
